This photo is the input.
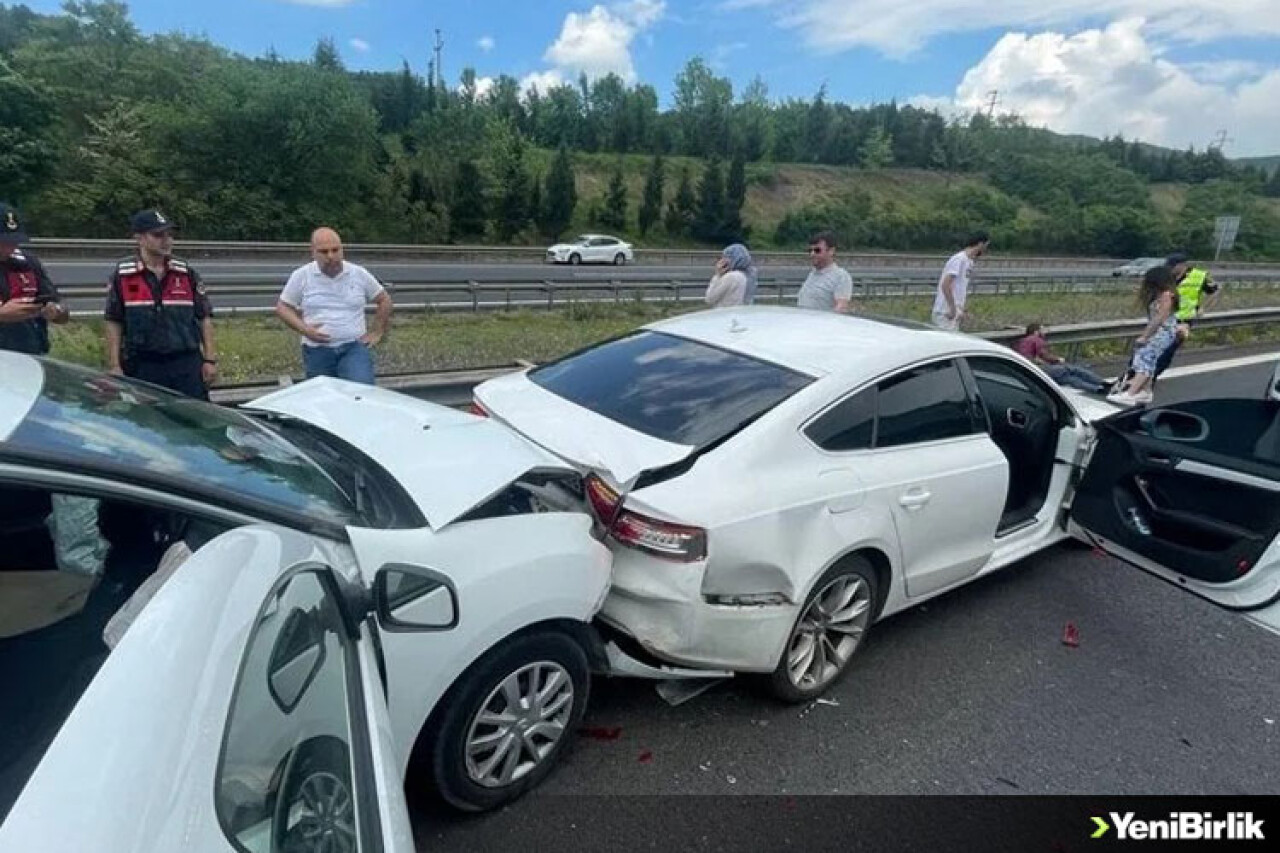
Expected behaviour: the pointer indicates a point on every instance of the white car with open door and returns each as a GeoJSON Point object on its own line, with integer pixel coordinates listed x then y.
{"type": "Point", "coordinates": [774, 481]}
{"type": "Point", "coordinates": [107, 483]}
{"type": "Point", "coordinates": [243, 711]}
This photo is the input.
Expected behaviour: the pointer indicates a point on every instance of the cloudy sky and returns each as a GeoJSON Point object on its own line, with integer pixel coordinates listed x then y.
{"type": "Point", "coordinates": [1174, 72]}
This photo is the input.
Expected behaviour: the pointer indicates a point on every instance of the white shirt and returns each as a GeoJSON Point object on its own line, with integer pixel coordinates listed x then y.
{"type": "Point", "coordinates": [960, 265]}
{"type": "Point", "coordinates": [726, 290]}
{"type": "Point", "coordinates": [335, 305]}
{"type": "Point", "coordinates": [823, 288]}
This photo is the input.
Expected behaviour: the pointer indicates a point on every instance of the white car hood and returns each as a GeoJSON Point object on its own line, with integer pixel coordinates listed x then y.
{"type": "Point", "coordinates": [447, 460]}
{"type": "Point", "coordinates": [581, 436]}
{"type": "Point", "coordinates": [1090, 408]}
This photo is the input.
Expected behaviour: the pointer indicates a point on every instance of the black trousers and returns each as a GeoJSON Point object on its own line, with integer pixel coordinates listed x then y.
{"type": "Point", "coordinates": [181, 372]}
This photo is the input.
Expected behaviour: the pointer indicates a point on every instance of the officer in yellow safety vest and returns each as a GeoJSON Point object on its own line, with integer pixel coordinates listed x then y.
{"type": "Point", "coordinates": [1196, 292]}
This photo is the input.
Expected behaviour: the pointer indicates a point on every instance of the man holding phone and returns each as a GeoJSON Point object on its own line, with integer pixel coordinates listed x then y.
{"type": "Point", "coordinates": [28, 300]}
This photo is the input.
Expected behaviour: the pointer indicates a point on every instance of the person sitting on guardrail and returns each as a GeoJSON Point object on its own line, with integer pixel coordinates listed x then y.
{"type": "Point", "coordinates": [953, 284]}
{"type": "Point", "coordinates": [1035, 348]}
{"type": "Point", "coordinates": [1158, 292]}
{"type": "Point", "coordinates": [324, 301]}
{"type": "Point", "coordinates": [28, 300]}
{"type": "Point", "coordinates": [828, 287]}
{"type": "Point", "coordinates": [734, 281]}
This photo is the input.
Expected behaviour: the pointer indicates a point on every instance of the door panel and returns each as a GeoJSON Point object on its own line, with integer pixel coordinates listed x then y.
{"type": "Point", "coordinates": [1195, 490]}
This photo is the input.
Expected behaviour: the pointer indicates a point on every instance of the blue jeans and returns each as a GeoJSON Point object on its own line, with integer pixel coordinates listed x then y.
{"type": "Point", "coordinates": [1075, 376]}
{"type": "Point", "coordinates": [351, 361]}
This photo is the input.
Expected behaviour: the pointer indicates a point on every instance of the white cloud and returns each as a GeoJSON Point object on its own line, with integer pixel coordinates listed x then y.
{"type": "Point", "coordinates": [1113, 80]}
{"type": "Point", "coordinates": [899, 28]}
{"type": "Point", "coordinates": [483, 86]}
{"type": "Point", "coordinates": [360, 45]}
{"type": "Point", "coordinates": [543, 80]}
{"type": "Point", "coordinates": [598, 42]}
{"type": "Point", "coordinates": [486, 43]}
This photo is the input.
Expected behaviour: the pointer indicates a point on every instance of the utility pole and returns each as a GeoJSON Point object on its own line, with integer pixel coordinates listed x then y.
{"type": "Point", "coordinates": [439, 69]}
{"type": "Point", "coordinates": [993, 99]}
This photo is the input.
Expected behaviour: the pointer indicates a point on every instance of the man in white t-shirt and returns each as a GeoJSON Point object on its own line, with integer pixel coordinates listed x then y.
{"type": "Point", "coordinates": [953, 286]}
{"type": "Point", "coordinates": [324, 302]}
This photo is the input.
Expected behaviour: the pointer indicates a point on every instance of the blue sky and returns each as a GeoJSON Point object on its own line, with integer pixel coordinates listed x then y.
{"type": "Point", "coordinates": [1170, 71]}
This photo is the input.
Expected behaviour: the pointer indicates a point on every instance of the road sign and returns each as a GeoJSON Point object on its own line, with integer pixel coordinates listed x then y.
{"type": "Point", "coordinates": [1225, 229]}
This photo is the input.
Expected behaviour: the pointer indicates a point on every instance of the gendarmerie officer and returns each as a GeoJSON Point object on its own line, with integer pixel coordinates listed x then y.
{"type": "Point", "coordinates": [159, 321]}
{"type": "Point", "coordinates": [28, 300]}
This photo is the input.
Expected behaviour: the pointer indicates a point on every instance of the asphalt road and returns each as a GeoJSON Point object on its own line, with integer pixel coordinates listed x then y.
{"type": "Point", "coordinates": [972, 693]}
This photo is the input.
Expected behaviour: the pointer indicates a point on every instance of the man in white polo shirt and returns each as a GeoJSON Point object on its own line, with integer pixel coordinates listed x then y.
{"type": "Point", "coordinates": [324, 302]}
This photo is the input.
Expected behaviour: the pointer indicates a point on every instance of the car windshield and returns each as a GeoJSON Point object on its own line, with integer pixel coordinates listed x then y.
{"type": "Point", "coordinates": [95, 422]}
{"type": "Point", "coordinates": [671, 388]}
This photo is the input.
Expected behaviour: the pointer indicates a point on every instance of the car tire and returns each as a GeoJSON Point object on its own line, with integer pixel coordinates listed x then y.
{"type": "Point", "coordinates": [575, 259]}
{"type": "Point", "coordinates": [619, 259]}
{"type": "Point", "coordinates": [459, 777]}
{"type": "Point", "coordinates": [805, 670]}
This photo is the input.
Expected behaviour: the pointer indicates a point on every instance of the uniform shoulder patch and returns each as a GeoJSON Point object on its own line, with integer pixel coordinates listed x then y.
{"type": "Point", "coordinates": [128, 267]}
{"type": "Point", "coordinates": [179, 265]}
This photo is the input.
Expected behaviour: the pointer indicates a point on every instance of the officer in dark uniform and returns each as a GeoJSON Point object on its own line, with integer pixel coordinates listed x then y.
{"type": "Point", "coordinates": [159, 321]}
{"type": "Point", "coordinates": [28, 300]}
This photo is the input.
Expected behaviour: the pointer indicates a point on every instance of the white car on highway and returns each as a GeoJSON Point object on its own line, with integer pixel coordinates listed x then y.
{"type": "Point", "coordinates": [592, 249]}
{"type": "Point", "coordinates": [774, 481]}
{"type": "Point", "coordinates": [352, 547]}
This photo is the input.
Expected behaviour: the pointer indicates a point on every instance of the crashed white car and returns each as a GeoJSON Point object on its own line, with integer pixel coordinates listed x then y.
{"type": "Point", "coordinates": [300, 518]}
{"type": "Point", "coordinates": [776, 480]}
{"type": "Point", "coordinates": [592, 249]}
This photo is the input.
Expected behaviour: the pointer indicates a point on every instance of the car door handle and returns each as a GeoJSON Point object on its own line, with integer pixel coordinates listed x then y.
{"type": "Point", "coordinates": [914, 499]}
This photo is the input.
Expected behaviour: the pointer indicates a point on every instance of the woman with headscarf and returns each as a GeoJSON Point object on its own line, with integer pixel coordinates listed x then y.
{"type": "Point", "coordinates": [734, 282]}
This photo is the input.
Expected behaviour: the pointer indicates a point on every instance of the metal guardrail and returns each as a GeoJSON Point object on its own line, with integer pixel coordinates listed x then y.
{"type": "Point", "coordinates": [454, 387]}
{"type": "Point", "coordinates": [548, 294]}
{"type": "Point", "coordinates": [58, 247]}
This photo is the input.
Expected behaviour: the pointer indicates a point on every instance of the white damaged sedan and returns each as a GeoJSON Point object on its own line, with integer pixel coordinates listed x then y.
{"type": "Point", "coordinates": [359, 588]}
{"type": "Point", "coordinates": [775, 480]}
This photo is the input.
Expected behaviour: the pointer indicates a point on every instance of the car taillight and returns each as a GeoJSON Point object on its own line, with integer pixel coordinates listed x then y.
{"type": "Point", "coordinates": [677, 542]}
{"type": "Point", "coordinates": [604, 500]}
{"type": "Point", "coordinates": [663, 539]}
{"type": "Point", "coordinates": [477, 409]}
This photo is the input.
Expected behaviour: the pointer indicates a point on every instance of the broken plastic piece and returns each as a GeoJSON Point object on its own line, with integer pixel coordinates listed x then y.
{"type": "Point", "coordinates": [1071, 635]}
{"type": "Point", "coordinates": [678, 691]}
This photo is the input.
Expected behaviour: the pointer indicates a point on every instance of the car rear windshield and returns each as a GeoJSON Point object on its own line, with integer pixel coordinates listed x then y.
{"type": "Point", "coordinates": [671, 388]}
{"type": "Point", "coordinates": [97, 422]}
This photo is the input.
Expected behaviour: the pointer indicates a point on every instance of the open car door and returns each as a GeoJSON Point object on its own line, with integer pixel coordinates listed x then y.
{"type": "Point", "coordinates": [1191, 493]}
{"type": "Point", "coordinates": [241, 713]}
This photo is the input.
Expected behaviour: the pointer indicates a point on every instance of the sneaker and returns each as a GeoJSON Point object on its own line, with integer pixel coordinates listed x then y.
{"type": "Point", "coordinates": [1122, 398]}
{"type": "Point", "coordinates": [1143, 397]}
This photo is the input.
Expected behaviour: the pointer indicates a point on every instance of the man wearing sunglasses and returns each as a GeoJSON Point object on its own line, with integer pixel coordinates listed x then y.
{"type": "Point", "coordinates": [828, 287]}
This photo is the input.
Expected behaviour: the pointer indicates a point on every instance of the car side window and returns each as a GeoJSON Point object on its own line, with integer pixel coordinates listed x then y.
{"type": "Point", "coordinates": [1004, 384]}
{"type": "Point", "coordinates": [926, 403]}
{"type": "Point", "coordinates": [285, 777]}
{"type": "Point", "coordinates": [848, 426]}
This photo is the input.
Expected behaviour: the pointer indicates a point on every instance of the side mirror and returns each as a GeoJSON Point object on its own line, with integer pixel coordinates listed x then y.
{"type": "Point", "coordinates": [1273, 390]}
{"type": "Point", "coordinates": [296, 658]}
{"type": "Point", "coordinates": [414, 598]}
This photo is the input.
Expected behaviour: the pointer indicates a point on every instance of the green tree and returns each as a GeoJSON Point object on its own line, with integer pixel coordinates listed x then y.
{"type": "Point", "coordinates": [512, 214]}
{"type": "Point", "coordinates": [614, 212]}
{"type": "Point", "coordinates": [561, 195]}
{"type": "Point", "coordinates": [877, 150]}
{"type": "Point", "coordinates": [709, 223]}
{"type": "Point", "coordinates": [651, 205]}
{"type": "Point", "coordinates": [26, 135]}
{"type": "Point", "coordinates": [466, 211]}
{"type": "Point", "coordinates": [732, 228]}
{"type": "Point", "coordinates": [326, 55]}
{"type": "Point", "coordinates": [682, 209]}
